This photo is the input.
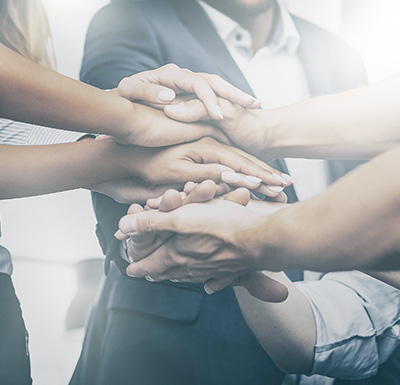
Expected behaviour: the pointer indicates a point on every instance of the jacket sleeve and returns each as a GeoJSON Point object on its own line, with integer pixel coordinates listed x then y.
{"type": "Point", "coordinates": [120, 42]}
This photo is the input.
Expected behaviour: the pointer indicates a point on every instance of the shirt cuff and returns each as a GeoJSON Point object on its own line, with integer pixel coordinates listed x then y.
{"type": "Point", "coordinates": [44, 136]}
{"type": "Point", "coordinates": [123, 251]}
{"type": "Point", "coordinates": [346, 338]}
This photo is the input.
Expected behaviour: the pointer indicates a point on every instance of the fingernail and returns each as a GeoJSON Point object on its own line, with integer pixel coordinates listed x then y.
{"type": "Point", "coordinates": [218, 112]}
{"type": "Point", "coordinates": [255, 99]}
{"type": "Point", "coordinates": [275, 189]}
{"type": "Point", "coordinates": [230, 177]}
{"type": "Point", "coordinates": [166, 95]}
{"type": "Point", "coordinates": [278, 177]}
{"type": "Point", "coordinates": [174, 280]}
{"type": "Point", "coordinates": [288, 178]}
{"type": "Point", "coordinates": [253, 179]}
{"type": "Point", "coordinates": [183, 195]}
{"type": "Point", "coordinates": [148, 278]}
{"type": "Point", "coordinates": [154, 202]}
{"type": "Point", "coordinates": [208, 290]}
{"type": "Point", "coordinates": [130, 274]}
{"type": "Point", "coordinates": [129, 225]}
{"type": "Point", "coordinates": [118, 233]}
{"type": "Point", "coordinates": [176, 109]}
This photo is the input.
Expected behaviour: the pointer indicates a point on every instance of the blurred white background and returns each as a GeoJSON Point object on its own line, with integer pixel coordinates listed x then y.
{"type": "Point", "coordinates": [48, 235]}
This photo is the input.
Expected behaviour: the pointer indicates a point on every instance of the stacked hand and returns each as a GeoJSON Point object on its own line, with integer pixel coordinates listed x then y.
{"type": "Point", "coordinates": [161, 249]}
{"type": "Point", "coordinates": [157, 166]}
{"type": "Point", "coordinates": [163, 254]}
{"type": "Point", "coordinates": [159, 88]}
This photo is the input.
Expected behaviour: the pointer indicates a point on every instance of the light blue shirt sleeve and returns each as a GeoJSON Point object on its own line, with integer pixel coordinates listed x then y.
{"type": "Point", "coordinates": [358, 323]}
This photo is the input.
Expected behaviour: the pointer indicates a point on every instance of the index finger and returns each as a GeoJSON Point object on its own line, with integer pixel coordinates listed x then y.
{"type": "Point", "coordinates": [229, 92]}
{"type": "Point", "coordinates": [206, 87]}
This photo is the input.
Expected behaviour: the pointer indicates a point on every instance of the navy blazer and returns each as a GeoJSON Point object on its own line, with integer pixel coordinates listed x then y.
{"type": "Point", "coordinates": [132, 36]}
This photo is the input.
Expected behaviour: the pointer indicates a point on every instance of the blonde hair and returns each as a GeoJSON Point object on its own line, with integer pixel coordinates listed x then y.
{"type": "Point", "coordinates": [24, 28]}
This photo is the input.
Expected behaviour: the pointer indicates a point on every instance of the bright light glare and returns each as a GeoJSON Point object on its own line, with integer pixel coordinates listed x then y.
{"type": "Point", "coordinates": [372, 27]}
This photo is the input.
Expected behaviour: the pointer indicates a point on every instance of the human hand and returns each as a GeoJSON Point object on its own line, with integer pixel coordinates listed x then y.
{"type": "Point", "coordinates": [181, 255]}
{"type": "Point", "coordinates": [245, 128]}
{"type": "Point", "coordinates": [159, 87]}
{"type": "Point", "coordinates": [128, 190]}
{"type": "Point", "coordinates": [158, 169]}
{"type": "Point", "coordinates": [209, 159]}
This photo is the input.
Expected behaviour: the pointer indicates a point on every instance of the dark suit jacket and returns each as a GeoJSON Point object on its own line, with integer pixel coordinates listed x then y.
{"type": "Point", "coordinates": [128, 37]}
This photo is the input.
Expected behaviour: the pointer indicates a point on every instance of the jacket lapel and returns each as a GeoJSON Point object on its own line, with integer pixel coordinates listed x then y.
{"type": "Point", "coordinates": [316, 65]}
{"type": "Point", "coordinates": [195, 19]}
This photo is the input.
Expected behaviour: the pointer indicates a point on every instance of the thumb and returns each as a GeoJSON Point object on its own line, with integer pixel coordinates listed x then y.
{"type": "Point", "coordinates": [147, 222]}
{"type": "Point", "coordinates": [132, 88]}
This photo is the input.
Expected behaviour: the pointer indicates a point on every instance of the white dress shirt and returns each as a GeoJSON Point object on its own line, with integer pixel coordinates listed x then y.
{"type": "Point", "coordinates": [276, 76]}
{"type": "Point", "coordinates": [357, 317]}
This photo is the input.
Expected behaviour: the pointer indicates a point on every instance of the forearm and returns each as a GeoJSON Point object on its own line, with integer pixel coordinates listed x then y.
{"type": "Point", "coordinates": [34, 94]}
{"type": "Point", "coordinates": [33, 170]}
{"type": "Point", "coordinates": [355, 224]}
{"type": "Point", "coordinates": [286, 330]}
{"type": "Point", "coordinates": [357, 124]}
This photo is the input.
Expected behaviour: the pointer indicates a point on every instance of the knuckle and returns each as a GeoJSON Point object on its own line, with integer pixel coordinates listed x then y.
{"type": "Point", "coordinates": [170, 259]}
{"type": "Point", "coordinates": [214, 78]}
{"type": "Point", "coordinates": [171, 67]}
{"type": "Point", "coordinates": [207, 140]}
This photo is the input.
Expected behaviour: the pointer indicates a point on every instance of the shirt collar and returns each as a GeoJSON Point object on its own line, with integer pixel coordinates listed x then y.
{"type": "Point", "coordinates": [285, 35]}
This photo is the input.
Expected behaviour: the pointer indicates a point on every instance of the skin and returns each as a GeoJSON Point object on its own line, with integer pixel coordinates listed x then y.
{"type": "Point", "coordinates": [33, 170]}
{"type": "Point", "coordinates": [32, 93]}
{"type": "Point", "coordinates": [269, 135]}
{"type": "Point", "coordinates": [254, 15]}
{"type": "Point", "coordinates": [293, 238]}
{"type": "Point", "coordinates": [338, 126]}
{"type": "Point", "coordinates": [278, 327]}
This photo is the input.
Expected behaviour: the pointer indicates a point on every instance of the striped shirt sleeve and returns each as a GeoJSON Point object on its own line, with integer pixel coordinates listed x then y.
{"type": "Point", "coordinates": [18, 133]}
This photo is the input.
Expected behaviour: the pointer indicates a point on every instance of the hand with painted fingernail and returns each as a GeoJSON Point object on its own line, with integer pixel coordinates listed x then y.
{"type": "Point", "coordinates": [159, 87]}
{"type": "Point", "coordinates": [207, 159]}
{"type": "Point", "coordinates": [252, 130]}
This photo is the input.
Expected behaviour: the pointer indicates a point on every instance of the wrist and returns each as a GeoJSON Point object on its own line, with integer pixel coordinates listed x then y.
{"type": "Point", "coordinates": [278, 133]}
{"type": "Point", "coordinates": [280, 240]}
{"type": "Point", "coordinates": [125, 125]}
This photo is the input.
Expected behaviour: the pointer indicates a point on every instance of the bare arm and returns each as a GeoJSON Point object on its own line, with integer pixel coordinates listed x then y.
{"type": "Point", "coordinates": [355, 224]}
{"type": "Point", "coordinates": [34, 170]}
{"type": "Point", "coordinates": [34, 94]}
{"type": "Point", "coordinates": [31, 170]}
{"type": "Point", "coordinates": [285, 330]}
{"type": "Point", "coordinates": [356, 124]}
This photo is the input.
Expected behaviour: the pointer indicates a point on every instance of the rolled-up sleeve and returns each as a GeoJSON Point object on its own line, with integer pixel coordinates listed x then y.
{"type": "Point", "coordinates": [358, 323]}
